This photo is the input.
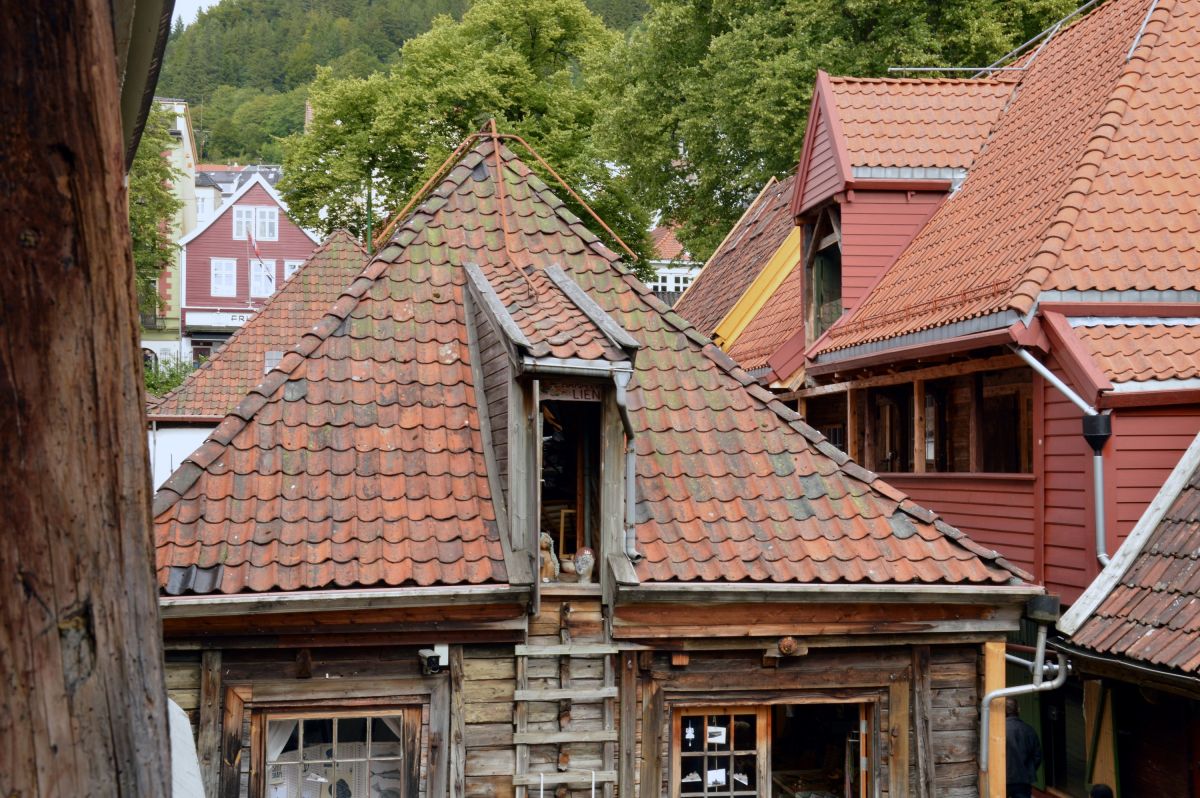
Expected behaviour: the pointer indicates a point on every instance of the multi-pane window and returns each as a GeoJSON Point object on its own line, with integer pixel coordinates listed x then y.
{"type": "Point", "coordinates": [266, 227]}
{"type": "Point", "coordinates": [223, 277]}
{"type": "Point", "coordinates": [243, 221]}
{"type": "Point", "coordinates": [721, 751]}
{"type": "Point", "coordinates": [262, 277]}
{"type": "Point", "coordinates": [352, 755]}
{"type": "Point", "coordinates": [290, 267]}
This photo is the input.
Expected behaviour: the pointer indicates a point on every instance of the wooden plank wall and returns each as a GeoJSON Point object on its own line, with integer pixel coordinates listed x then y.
{"type": "Point", "coordinates": [1067, 475]}
{"type": "Point", "coordinates": [489, 677]}
{"type": "Point", "coordinates": [183, 684]}
{"type": "Point", "coordinates": [497, 373]}
{"type": "Point", "coordinates": [876, 226]}
{"type": "Point", "coordinates": [1147, 444]}
{"type": "Point", "coordinates": [823, 179]}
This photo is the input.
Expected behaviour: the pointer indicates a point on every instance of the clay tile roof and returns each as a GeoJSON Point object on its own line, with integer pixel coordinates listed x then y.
{"type": "Point", "coordinates": [739, 258]}
{"type": "Point", "coordinates": [220, 382]}
{"type": "Point", "coordinates": [666, 245]}
{"type": "Point", "coordinates": [1085, 174]}
{"type": "Point", "coordinates": [1145, 606]}
{"type": "Point", "coordinates": [359, 461]}
{"type": "Point", "coordinates": [915, 122]}
{"type": "Point", "coordinates": [773, 325]}
{"type": "Point", "coordinates": [1144, 352]}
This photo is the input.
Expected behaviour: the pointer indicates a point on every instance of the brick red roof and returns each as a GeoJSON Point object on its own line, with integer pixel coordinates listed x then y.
{"type": "Point", "coordinates": [1147, 601]}
{"type": "Point", "coordinates": [220, 382]}
{"type": "Point", "coordinates": [1083, 176]}
{"type": "Point", "coordinates": [350, 465]}
{"type": "Point", "coordinates": [901, 122]}
{"type": "Point", "coordinates": [666, 245]}
{"type": "Point", "coordinates": [739, 258]}
{"type": "Point", "coordinates": [1144, 352]}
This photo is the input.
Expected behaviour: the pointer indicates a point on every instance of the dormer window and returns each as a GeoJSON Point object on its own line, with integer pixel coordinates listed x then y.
{"type": "Point", "coordinates": [570, 468]}
{"type": "Point", "coordinates": [823, 271]}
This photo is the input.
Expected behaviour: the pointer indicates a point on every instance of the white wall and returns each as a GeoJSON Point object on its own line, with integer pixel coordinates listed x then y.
{"type": "Point", "coordinates": [170, 445]}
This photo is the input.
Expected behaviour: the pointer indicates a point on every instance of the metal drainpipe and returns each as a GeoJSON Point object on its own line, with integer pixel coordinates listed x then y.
{"type": "Point", "coordinates": [621, 378]}
{"type": "Point", "coordinates": [1097, 429]}
{"type": "Point", "coordinates": [1039, 686]}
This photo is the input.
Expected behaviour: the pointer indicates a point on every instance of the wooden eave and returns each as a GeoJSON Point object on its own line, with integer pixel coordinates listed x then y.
{"type": "Point", "coordinates": [1081, 369]}
{"type": "Point", "coordinates": [822, 103]}
{"type": "Point", "coordinates": [785, 258]}
{"type": "Point", "coordinates": [692, 593]}
{"type": "Point", "coordinates": [318, 601]}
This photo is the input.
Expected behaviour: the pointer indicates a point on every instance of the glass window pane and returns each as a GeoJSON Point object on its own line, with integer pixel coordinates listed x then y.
{"type": "Point", "coordinates": [291, 748]}
{"type": "Point", "coordinates": [692, 733]}
{"type": "Point", "coordinates": [351, 738]}
{"type": "Point", "coordinates": [691, 779]}
{"type": "Point", "coordinates": [744, 772]}
{"type": "Point", "coordinates": [318, 739]}
{"type": "Point", "coordinates": [387, 779]}
{"type": "Point", "coordinates": [716, 773]}
{"type": "Point", "coordinates": [283, 781]}
{"type": "Point", "coordinates": [385, 736]}
{"type": "Point", "coordinates": [744, 732]}
{"type": "Point", "coordinates": [347, 780]}
{"type": "Point", "coordinates": [718, 733]}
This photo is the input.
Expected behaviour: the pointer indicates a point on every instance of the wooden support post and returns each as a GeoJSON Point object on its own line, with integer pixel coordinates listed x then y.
{"type": "Point", "coordinates": [922, 715]}
{"type": "Point", "coordinates": [410, 741]}
{"type": "Point", "coordinates": [458, 753]}
{"type": "Point", "coordinates": [628, 725]}
{"type": "Point", "coordinates": [802, 408]}
{"type": "Point", "coordinates": [440, 741]}
{"type": "Point", "coordinates": [1098, 733]}
{"type": "Point", "coordinates": [231, 745]}
{"type": "Point", "coordinates": [84, 704]}
{"type": "Point", "coordinates": [652, 726]}
{"type": "Point", "coordinates": [208, 742]}
{"type": "Point", "coordinates": [854, 425]}
{"type": "Point", "coordinates": [976, 425]}
{"type": "Point", "coordinates": [898, 737]}
{"type": "Point", "coordinates": [993, 679]}
{"type": "Point", "coordinates": [919, 427]}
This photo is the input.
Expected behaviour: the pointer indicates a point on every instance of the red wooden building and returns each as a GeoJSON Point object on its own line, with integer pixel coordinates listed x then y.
{"type": "Point", "coordinates": [234, 262]}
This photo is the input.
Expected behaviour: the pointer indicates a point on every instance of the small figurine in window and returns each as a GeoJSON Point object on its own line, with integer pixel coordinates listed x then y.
{"type": "Point", "coordinates": [548, 563]}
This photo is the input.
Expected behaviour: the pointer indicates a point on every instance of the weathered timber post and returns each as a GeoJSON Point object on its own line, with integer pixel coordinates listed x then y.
{"type": "Point", "coordinates": [82, 696]}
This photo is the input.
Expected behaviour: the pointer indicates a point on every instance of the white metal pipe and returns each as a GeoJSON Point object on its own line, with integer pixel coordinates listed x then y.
{"type": "Point", "coordinates": [621, 378]}
{"type": "Point", "coordinates": [1038, 686]}
{"type": "Point", "coordinates": [1097, 458]}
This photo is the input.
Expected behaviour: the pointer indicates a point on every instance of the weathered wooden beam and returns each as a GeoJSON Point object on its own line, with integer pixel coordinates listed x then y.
{"type": "Point", "coordinates": [565, 694]}
{"type": "Point", "coordinates": [458, 753]}
{"type": "Point", "coordinates": [84, 705]}
{"type": "Point", "coordinates": [993, 679]}
{"type": "Point", "coordinates": [652, 727]}
{"type": "Point", "coordinates": [552, 737]}
{"type": "Point", "coordinates": [919, 427]}
{"type": "Point", "coordinates": [441, 742]}
{"type": "Point", "coordinates": [231, 744]}
{"type": "Point", "coordinates": [626, 760]}
{"type": "Point", "coordinates": [566, 650]}
{"type": "Point", "coordinates": [574, 779]}
{"type": "Point", "coordinates": [854, 425]}
{"type": "Point", "coordinates": [208, 738]}
{"type": "Point", "coordinates": [898, 737]}
{"type": "Point", "coordinates": [922, 715]}
{"type": "Point", "coordinates": [995, 363]}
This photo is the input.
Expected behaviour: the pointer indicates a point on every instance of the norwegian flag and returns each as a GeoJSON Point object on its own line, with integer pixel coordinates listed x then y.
{"type": "Point", "coordinates": [253, 243]}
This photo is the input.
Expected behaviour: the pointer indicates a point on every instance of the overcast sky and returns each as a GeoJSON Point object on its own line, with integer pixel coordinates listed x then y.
{"type": "Point", "coordinates": [187, 9]}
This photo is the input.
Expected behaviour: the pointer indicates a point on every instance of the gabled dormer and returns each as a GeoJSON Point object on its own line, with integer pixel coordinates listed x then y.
{"type": "Point", "coordinates": [553, 369]}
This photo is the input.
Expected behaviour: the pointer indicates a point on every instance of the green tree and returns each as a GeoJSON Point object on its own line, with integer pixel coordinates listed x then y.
{"type": "Point", "coordinates": [166, 375]}
{"type": "Point", "coordinates": [525, 63]}
{"type": "Point", "coordinates": [707, 99]}
{"type": "Point", "coordinates": [152, 206]}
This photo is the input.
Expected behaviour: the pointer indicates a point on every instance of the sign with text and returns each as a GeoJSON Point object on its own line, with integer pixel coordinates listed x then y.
{"type": "Point", "coordinates": [572, 391]}
{"type": "Point", "coordinates": [217, 319]}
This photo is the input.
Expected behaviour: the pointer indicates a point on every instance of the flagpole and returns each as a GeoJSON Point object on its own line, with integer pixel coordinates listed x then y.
{"type": "Point", "coordinates": [370, 242]}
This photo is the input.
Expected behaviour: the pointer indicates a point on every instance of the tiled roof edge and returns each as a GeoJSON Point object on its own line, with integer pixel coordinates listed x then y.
{"type": "Point", "coordinates": [1025, 291]}
{"type": "Point", "coordinates": [842, 460]}
{"type": "Point", "coordinates": [188, 472]}
{"type": "Point", "coordinates": [1147, 523]}
{"type": "Point", "coordinates": [154, 406]}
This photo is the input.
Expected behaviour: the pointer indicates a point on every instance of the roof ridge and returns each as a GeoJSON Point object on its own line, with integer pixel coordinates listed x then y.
{"type": "Point", "coordinates": [972, 81]}
{"type": "Point", "coordinates": [240, 332]}
{"type": "Point", "coordinates": [192, 466]}
{"type": "Point", "coordinates": [1028, 283]}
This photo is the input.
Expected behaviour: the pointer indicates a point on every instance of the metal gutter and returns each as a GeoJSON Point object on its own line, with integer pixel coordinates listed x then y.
{"type": "Point", "coordinates": [339, 600]}
{"type": "Point", "coordinates": [573, 367]}
{"type": "Point", "coordinates": [1097, 429]}
{"type": "Point", "coordinates": [621, 379]}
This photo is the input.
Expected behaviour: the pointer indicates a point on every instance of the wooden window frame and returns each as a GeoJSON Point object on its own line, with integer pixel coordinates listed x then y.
{"type": "Point", "coordinates": [269, 214]}
{"type": "Point", "coordinates": [260, 715]}
{"type": "Point", "coordinates": [268, 267]}
{"type": "Point", "coordinates": [212, 274]}
{"type": "Point", "coordinates": [869, 721]}
{"type": "Point", "coordinates": [241, 224]}
{"type": "Point", "coordinates": [290, 267]}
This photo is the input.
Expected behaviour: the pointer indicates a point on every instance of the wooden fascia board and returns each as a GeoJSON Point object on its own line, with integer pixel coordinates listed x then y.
{"type": "Point", "coordinates": [1102, 585]}
{"type": "Point", "coordinates": [312, 601]}
{"type": "Point", "coordinates": [785, 258]}
{"type": "Point", "coordinates": [822, 103]}
{"type": "Point", "coordinates": [710, 593]}
{"type": "Point", "coordinates": [1164, 309]}
{"type": "Point", "coordinates": [1136, 399]}
{"type": "Point", "coordinates": [1079, 365]}
{"type": "Point", "coordinates": [897, 354]}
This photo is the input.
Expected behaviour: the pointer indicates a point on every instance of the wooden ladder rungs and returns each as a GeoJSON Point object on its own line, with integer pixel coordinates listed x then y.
{"type": "Point", "coordinates": [564, 694]}
{"type": "Point", "coordinates": [567, 650]}
{"type": "Point", "coordinates": [581, 777]}
{"type": "Point", "coordinates": [549, 737]}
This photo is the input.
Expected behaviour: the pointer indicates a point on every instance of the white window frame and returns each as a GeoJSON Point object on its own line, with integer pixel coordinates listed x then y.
{"type": "Point", "coordinates": [223, 282]}
{"type": "Point", "coordinates": [259, 267]}
{"type": "Point", "coordinates": [266, 218]}
{"type": "Point", "coordinates": [290, 267]}
{"type": "Point", "coordinates": [243, 219]}
{"type": "Point", "coordinates": [204, 209]}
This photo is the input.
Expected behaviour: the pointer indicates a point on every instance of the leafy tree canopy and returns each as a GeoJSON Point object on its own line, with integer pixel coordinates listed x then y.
{"type": "Point", "coordinates": [526, 63]}
{"type": "Point", "coordinates": [707, 99]}
{"type": "Point", "coordinates": [152, 206]}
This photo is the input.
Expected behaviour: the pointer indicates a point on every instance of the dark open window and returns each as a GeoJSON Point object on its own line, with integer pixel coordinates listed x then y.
{"type": "Point", "coordinates": [570, 490]}
{"type": "Point", "coordinates": [823, 271]}
{"type": "Point", "coordinates": [827, 415]}
{"type": "Point", "coordinates": [890, 437]}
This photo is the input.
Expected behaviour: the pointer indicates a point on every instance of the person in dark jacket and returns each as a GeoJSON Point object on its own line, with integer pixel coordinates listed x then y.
{"type": "Point", "coordinates": [1024, 752]}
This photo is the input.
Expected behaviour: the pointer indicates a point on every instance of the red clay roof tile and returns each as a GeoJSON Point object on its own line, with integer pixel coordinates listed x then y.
{"type": "Point", "coordinates": [1144, 352]}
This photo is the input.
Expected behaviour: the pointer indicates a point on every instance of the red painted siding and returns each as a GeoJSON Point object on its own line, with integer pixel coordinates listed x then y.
{"type": "Point", "coordinates": [876, 226]}
{"type": "Point", "coordinates": [218, 242]}
{"type": "Point", "coordinates": [1147, 445]}
{"type": "Point", "coordinates": [1067, 468]}
{"type": "Point", "coordinates": [995, 510]}
{"type": "Point", "coordinates": [822, 180]}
